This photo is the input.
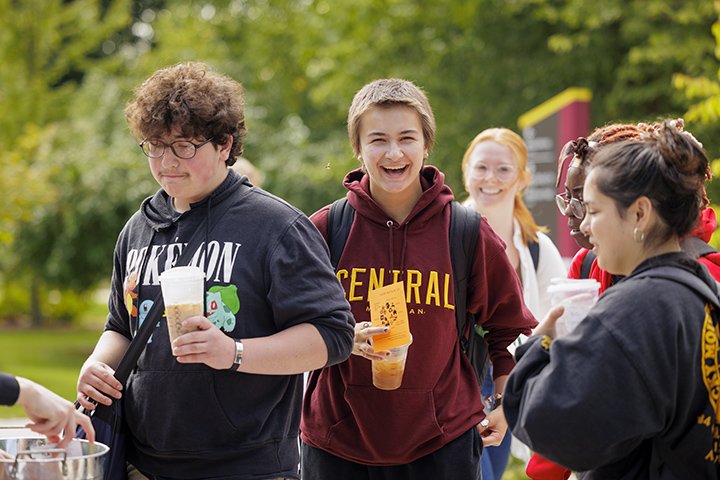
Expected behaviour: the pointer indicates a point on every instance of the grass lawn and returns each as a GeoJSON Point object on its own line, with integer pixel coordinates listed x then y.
{"type": "Point", "coordinates": [50, 357]}
{"type": "Point", "coordinates": [515, 470]}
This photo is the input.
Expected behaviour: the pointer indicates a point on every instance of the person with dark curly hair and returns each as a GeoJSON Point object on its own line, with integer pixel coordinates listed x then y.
{"type": "Point", "coordinates": [224, 400]}
{"type": "Point", "coordinates": [631, 392]}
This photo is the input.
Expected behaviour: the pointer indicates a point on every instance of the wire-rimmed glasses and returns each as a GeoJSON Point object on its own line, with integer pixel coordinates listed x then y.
{"type": "Point", "coordinates": [184, 149]}
{"type": "Point", "coordinates": [573, 206]}
{"type": "Point", "coordinates": [504, 172]}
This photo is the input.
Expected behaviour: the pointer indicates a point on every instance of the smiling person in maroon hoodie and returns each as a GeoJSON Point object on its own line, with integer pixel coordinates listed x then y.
{"type": "Point", "coordinates": [431, 426]}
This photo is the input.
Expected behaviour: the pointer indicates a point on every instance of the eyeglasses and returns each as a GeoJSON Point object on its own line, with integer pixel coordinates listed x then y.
{"type": "Point", "coordinates": [574, 206]}
{"type": "Point", "coordinates": [181, 148]}
{"type": "Point", "coordinates": [503, 172]}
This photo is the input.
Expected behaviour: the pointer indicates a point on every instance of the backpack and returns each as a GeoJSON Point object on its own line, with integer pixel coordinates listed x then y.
{"type": "Point", "coordinates": [463, 235]}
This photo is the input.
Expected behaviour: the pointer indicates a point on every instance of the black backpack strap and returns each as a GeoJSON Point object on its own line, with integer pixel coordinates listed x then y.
{"type": "Point", "coordinates": [340, 218]}
{"type": "Point", "coordinates": [534, 248]}
{"type": "Point", "coordinates": [464, 232]}
{"type": "Point", "coordinates": [587, 264]}
{"type": "Point", "coordinates": [696, 247]}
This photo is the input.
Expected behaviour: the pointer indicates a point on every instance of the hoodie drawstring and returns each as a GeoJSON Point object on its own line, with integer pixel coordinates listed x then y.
{"type": "Point", "coordinates": [390, 224]}
{"type": "Point", "coordinates": [402, 251]}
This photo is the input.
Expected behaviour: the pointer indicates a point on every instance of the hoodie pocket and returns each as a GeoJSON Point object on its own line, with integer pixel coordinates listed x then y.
{"type": "Point", "coordinates": [389, 425]}
{"type": "Point", "coordinates": [177, 412]}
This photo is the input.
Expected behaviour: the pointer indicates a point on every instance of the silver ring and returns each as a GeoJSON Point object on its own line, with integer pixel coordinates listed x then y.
{"type": "Point", "coordinates": [485, 423]}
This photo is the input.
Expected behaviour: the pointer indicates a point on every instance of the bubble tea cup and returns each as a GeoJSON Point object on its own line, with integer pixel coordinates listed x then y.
{"type": "Point", "coordinates": [388, 374]}
{"type": "Point", "coordinates": [577, 297]}
{"type": "Point", "coordinates": [183, 290]}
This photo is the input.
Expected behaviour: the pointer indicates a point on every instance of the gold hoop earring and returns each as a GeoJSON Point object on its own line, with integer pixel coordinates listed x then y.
{"type": "Point", "coordinates": [638, 236]}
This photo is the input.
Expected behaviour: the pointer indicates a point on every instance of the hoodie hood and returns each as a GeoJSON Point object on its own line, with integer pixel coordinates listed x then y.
{"type": "Point", "coordinates": [436, 195]}
{"type": "Point", "coordinates": [159, 213]}
{"type": "Point", "coordinates": [706, 225]}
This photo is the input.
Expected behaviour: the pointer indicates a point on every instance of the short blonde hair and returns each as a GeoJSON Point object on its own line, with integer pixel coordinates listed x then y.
{"type": "Point", "coordinates": [389, 92]}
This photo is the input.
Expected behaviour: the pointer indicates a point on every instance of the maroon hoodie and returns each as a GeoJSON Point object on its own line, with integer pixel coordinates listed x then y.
{"type": "Point", "coordinates": [439, 400]}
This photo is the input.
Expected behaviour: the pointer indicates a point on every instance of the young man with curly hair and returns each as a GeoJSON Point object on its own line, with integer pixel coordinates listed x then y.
{"type": "Point", "coordinates": [222, 401]}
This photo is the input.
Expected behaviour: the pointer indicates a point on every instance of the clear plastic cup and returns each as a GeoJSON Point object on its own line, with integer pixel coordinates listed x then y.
{"type": "Point", "coordinates": [577, 296]}
{"type": "Point", "coordinates": [183, 290]}
{"type": "Point", "coordinates": [388, 374]}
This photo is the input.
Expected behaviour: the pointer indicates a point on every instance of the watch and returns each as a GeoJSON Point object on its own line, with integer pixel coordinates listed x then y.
{"type": "Point", "coordinates": [237, 360]}
{"type": "Point", "coordinates": [497, 400]}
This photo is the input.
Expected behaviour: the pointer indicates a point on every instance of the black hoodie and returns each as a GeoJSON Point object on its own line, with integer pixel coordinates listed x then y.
{"type": "Point", "coordinates": [267, 269]}
{"type": "Point", "coordinates": [637, 377]}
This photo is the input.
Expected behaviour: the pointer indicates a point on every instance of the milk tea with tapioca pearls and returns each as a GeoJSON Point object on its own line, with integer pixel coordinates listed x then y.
{"type": "Point", "coordinates": [177, 313]}
{"type": "Point", "coordinates": [183, 290]}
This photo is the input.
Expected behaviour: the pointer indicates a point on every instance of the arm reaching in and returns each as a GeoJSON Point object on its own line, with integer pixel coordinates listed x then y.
{"type": "Point", "coordinates": [51, 415]}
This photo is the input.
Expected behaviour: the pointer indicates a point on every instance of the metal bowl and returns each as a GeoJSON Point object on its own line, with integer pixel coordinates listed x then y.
{"type": "Point", "coordinates": [36, 459]}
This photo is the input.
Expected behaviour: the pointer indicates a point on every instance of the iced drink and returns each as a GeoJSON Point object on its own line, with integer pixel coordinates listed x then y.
{"type": "Point", "coordinates": [177, 313]}
{"type": "Point", "coordinates": [577, 296]}
{"type": "Point", "coordinates": [388, 374]}
{"type": "Point", "coordinates": [183, 294]}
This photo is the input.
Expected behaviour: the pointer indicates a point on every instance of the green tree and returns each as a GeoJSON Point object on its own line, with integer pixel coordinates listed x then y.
{"type": "Point", "coordinates": [482, 62]}
{"type": "Point", "coordinates": [46, 48]}
{"type": "Point", "coordinates": [703, 114]}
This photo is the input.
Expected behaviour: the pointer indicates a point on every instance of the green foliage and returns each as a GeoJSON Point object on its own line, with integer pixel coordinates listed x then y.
{"type": "Point", "coordinates": [702, 94]}
{"type": "Point", "coordinates": [68, 73]}
{"type": "Point", "coordinates": [71, 240]}
{"type": "Point", "coordinates": [46, 56]}
{"type": "Point", "coordinates": [50, 357]}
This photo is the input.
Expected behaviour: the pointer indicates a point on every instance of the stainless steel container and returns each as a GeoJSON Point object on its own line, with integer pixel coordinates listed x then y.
{"type": "Point", "coordinates": [35, 459]}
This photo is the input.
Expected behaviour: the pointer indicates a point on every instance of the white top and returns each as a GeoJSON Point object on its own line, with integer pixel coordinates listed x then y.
{"type": "Point", "coordinates": [535, 284]}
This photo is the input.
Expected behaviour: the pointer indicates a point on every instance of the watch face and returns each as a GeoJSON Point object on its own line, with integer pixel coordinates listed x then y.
{"type": "Point", "coordinates": [238, 352]}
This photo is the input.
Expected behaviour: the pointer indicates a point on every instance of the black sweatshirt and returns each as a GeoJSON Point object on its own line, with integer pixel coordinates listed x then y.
{"type": "Point", "coordinates": [267, 269]}
{"type": "Point", "coordinates": [9, 389]}
{"type": "Point", "coordinates": [638, 376]}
